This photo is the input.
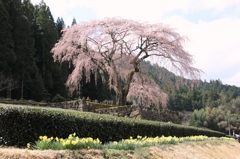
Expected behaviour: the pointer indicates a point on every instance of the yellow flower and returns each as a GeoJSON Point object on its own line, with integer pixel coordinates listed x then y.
{"type": "Point", "coordinates": [62, 140]}
{"type": "Point", "coordinates": [97, 141]}
{"type": "Point", "coordinates": [74, 142]}
{"type": "Point", "coordinates": [89, 139]}
{"type": "Point", "coordinates": [48, 140]}
{"type": "Point", "coordinates": [44, 138]}
{"type": "Point", "coordinates": [28, 145]}
{"type": "Point", "coordinates": [57, 139]}
{"type": "Point", "coordinates": [70, 137]}
{"type": "Point", "coordinates": [139, 137]}
{"type": "Point", "coordinates": [74, 134]}
{"type": "Point", "coordinates": [67, 142]}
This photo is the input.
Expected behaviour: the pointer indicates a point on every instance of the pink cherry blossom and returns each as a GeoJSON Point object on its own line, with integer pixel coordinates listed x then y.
{"type": "Point", "coordinates": [116, 48]}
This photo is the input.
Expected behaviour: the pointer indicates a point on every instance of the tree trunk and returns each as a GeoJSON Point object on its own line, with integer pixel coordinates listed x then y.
{"type": "Point", "coordinates": [22, 89]}
{"type": "Point", "coordinates": [124, 89]}
{"type": "Point", "coordinates": [124, 98]}
{"type": "Point", "coordinates": [121, 98]}
{"type": "Point", "coordinates": [9, 93]}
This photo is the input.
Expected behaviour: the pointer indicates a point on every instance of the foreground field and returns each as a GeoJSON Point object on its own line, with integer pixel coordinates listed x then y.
{"type": "Point", "coordinates": [189, 150]}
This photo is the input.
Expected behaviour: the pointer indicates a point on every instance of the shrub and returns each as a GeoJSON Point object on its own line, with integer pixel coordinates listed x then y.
{"type": "Point", "coordinates": [58, 98]}
{"type": "Point", "coordinates": [18, 126]}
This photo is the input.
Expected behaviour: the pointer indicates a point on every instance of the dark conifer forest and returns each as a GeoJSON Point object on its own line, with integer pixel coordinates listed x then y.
{"type": "Point", "coordinates": [28, 71]}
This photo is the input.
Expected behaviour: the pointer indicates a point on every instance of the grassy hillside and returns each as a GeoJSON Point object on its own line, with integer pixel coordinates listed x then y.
{"type": "Point", "coordinates": [187, 150]}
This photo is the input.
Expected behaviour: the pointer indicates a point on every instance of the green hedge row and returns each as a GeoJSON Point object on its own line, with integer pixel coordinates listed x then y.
{"type": "Point", "coordinates": [19, 126]}
{"type": "Point", "coordinates": [22, 102]}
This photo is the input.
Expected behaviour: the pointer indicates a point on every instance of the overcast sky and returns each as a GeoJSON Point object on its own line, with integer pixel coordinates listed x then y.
{"type": "Point", "coordinates": [212, 26]}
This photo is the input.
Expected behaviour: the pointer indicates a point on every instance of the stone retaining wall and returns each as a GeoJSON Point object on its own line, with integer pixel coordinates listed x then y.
{"type": "Point", "coordinates": [131, 111]}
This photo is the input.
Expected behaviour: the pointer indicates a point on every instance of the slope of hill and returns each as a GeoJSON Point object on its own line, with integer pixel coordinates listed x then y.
{"type": "Point", "coordinates": [188, 150]}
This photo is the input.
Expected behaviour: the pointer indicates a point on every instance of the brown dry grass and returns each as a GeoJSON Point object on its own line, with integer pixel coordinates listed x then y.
{"type": "Point", "coordinates": [189, 150]}
{"type": "Point", "coordinates": [15, 153]}
{"type": "Point", "coordinates": [198, 150]}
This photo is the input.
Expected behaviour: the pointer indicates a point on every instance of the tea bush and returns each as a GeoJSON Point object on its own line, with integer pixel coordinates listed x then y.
{"type": "Point", "coordinates": [19, 126]}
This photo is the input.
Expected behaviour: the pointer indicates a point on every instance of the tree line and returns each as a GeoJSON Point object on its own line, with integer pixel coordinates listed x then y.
{"type": "Point", "coordinates": [27, 69]}
{"type": "Point", "coordinates": [214, 105]}
{"type": "Point", "coordinates": [28, 34]}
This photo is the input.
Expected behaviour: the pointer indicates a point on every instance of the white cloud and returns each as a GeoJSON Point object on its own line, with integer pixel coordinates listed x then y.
{"type": "Point", "coordinates": [214, 43]}
{"type": "Point", "coordinates": [220, 6]}
{"type": "Point", "coordinates": [233, 80]}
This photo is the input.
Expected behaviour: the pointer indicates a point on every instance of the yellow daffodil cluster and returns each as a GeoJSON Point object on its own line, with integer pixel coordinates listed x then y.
{"type": "Point", "coordinates": [74, 142]}
{"type": "Point", "coordinates": [77, 140]}
{"type": "Point", "coordinates": [226, 138]}
{"type": "Point", "coordinates": [46, 139]}
{"type": "Point", "coordinates": [149, 141]}
{"type": "Point", "coordinates": [194, 138]}
{"type": "Point", "coordinates": [221, 138]}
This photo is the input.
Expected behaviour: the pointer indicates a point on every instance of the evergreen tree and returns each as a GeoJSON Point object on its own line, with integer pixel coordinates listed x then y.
{"type": "Point", "coordinates": [45, 37]}
{"type": "Point", "coordinates": [28, 10]}
{"type": "Point", "coordinates": [74, 22]}
{"type": "Point", "coordinates": [25, 68]}
{"type": "Point", "coordinates": [60, 25]}
{"type": "Point", "coordinates": [7, 56]}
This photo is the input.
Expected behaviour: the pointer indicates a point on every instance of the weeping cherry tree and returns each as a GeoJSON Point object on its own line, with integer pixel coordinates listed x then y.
{"type": "Point", "coordinates": [114, 49]}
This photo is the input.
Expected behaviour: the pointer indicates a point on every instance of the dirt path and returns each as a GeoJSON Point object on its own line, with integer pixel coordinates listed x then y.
{"type": "Point", "coordinates": [189, 150]}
